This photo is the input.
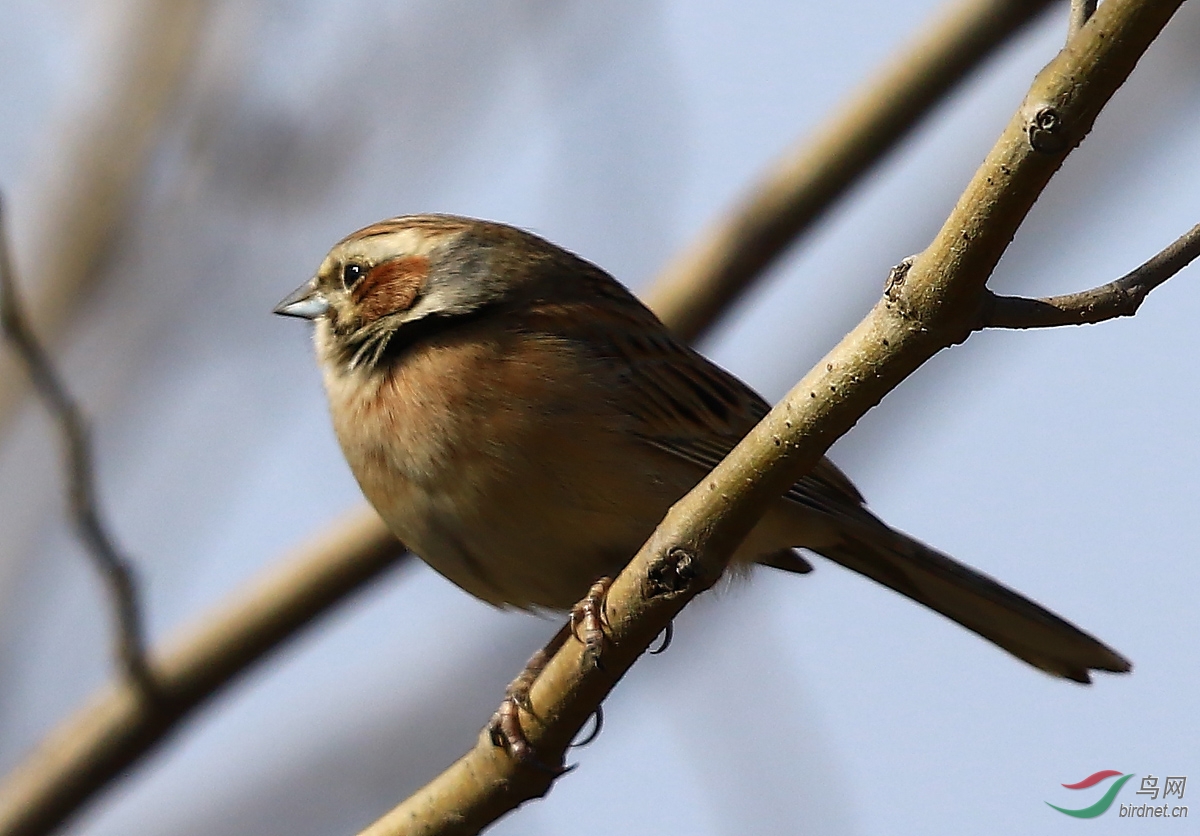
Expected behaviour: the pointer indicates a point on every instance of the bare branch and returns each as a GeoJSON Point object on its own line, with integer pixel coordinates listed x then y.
{"type": "Point", "coordinates": [115, 727]}
{"type": "Point", "coordinates": [692, 291]}
{"type": "Point", "coordinates": [114, 569]}
{"type": "Point", "coordinates": [91, 747]}
{"type": "Point", "coordinates": [932, 306]}
{"type": "Point", "coordinates": [1081, 12]}
{"type": "Point", "coordinates": [1122, 297]}
{"type": "Point", "coordinates": [92, 172]}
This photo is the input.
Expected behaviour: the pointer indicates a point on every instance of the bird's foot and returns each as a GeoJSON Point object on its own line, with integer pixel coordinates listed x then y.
{"type": "Point", "coordinates": [586, 624]}
{"type": "Point", "coordinates": [505, 729]}
{"type": "Point", "coordinates": [588, 621]}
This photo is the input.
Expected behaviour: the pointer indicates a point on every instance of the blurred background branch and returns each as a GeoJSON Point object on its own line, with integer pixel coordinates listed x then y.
{"type": "Point", "coordinates": [94, 172]}
{"type": "Point", "coordinates": [711, 274]}
{"type": "Point", "coordinates": [106, 736]}
{"type": "Point", "coordinates": [117, 726]}
{"type": "Point", "coordinates": [927, 309]}
{"type": "Point", "coordinates": [79, 465]}
{"type": "Point", "coordinates": [618, 132]}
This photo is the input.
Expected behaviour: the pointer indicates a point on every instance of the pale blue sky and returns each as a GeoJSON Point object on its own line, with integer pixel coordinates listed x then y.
{"type": "Point", "coordinates": [1062, 462]}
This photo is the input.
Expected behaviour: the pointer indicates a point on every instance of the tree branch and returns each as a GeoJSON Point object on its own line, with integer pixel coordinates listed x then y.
{"type": "Point", "coordinates": [116, 728]}
{"type": "Point", "coordinates": [59, 777]}
{"type": "Point", "coordinates": [115, 570]}
{"type": "Point", "coordinates": [1122, 297]}
{"type": "Point", "coordinates": [931, 306]}
{"type": "Point", "coordinates": [94, 170]}
{"type": "Point", "coordinates": [1081, 12]}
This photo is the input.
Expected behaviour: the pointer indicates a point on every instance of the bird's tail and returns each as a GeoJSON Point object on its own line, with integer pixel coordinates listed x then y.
{"type": "Point", "coordinates": [999, 614]}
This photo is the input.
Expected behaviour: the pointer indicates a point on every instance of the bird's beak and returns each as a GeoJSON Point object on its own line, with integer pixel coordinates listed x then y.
{"type": "Point", "coordinates": [306, 302]}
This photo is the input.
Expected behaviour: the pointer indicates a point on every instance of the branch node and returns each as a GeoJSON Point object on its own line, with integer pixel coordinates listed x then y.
{"type": "Point", "coordinates": [1081, 13]}
{"type": "Point", "coordinates": [896, 277]}
{"type": "Point", "coordinates": [1046, 130]}
{"type": "Point", "coordinates": [673, 573]}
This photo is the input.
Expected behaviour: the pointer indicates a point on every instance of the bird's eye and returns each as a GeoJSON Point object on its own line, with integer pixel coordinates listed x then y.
{"type": "Point", "coordinates": [351, 273]}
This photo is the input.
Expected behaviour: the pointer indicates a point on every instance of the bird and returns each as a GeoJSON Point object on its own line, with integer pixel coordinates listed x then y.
{"type": "Point", "coordinates": [522, 422]}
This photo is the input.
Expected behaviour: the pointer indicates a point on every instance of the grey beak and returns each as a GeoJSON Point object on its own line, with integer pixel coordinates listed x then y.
{"type": "Point", "coordinates": [306, 302]}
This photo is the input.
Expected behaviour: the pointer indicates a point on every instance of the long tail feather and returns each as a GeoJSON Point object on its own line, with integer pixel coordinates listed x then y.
{"type": "Point", "coordinates": [1023, 628]}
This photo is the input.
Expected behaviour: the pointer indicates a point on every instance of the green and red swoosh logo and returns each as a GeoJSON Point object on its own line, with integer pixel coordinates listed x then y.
{"type": "Point", "coordinates": [1105, 802]}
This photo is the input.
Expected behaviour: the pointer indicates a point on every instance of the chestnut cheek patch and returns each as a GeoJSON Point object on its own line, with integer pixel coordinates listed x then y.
{"type": "Point", "coordinates": [390, 287]}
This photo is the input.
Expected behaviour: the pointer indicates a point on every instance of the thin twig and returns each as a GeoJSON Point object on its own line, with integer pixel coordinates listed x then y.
{"type": "Point", "coordinates": [1081, 12]}
{"type": "Point", "coordinates": [115, 728]}
{"type": "Point", "coordinates": [932, 308]}
{"type": "Point", "coordinates": [92, 746]}
{"type": "Point", "coordinates": [1122, 297]}
{"type": "Point", "coordinates": [92, 168]}
{"type": "Point", "coordinates": [115, 570]}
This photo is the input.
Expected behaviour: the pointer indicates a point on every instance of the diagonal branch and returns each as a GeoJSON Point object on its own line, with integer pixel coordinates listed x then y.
{"type": "Point", "coordinates": [1122, 297]}
{"type": "Point", "coordinates": [930, 307]}
{"type": "Point", "coordinates": [91, 747]}
{"type": "Point", "coordinates": [114, 569]}
{"type": "Point", "coordinates": [115, 728]}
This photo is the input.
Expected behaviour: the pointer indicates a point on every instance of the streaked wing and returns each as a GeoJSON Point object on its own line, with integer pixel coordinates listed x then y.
{"type": "Point", "coordinates": [689, 407]}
